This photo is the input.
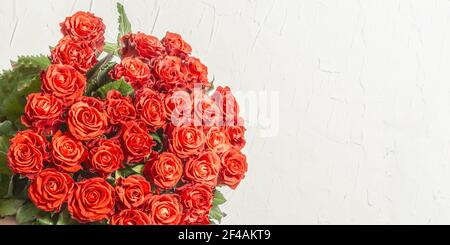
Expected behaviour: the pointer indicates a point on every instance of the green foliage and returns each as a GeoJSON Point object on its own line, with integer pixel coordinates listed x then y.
{"type": "Point", "coordinates": [4, 184]}
{"type": "Point", "coordinates": [65, 219]}
{"type": "Point", "coordinates": [28, 213]}
{"type": "Point", "coordinates": [219, 199]}
{"type": "Point", "coordinates": [9, 207]}
{"type": "Point", "coordinates": [215, 213]}
{"type": "Point", "coordinates": [111, 48]}
{"type": "Point", "coordinates": [124, 23]}
{"type": "Point", "coordinates": [120, 85]}
{"type": "Point", "coordinates": [4, 145]}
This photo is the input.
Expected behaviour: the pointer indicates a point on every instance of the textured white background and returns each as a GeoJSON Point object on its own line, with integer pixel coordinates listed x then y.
{"type": "Point", "coordinates": [364, 118]}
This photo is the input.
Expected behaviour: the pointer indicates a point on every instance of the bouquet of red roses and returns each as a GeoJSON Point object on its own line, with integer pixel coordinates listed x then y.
{"type": "Point", "coordinates": [122, 134]}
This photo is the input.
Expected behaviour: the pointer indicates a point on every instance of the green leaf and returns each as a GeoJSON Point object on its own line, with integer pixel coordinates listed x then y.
{"type": "Point", "coordinates": [44, 218]}
{"type": "Point", "coordinates": [4, 184]}
{"type": "Point", "coordinates": [111, 48]}
{"type": "Point", "coordinates": [9, 207]}
{"type": "Point", "coordinates": [38, 61]}
{"type": "Point", "coordinates": [99, 74]}
{"type": "Point", "coordinates": [219, 199]}
{"type": "Point", "coordinates": [138, 168]}
{"type": "Point", "coordinates": [124, 23]}
{"type": "Point", "coordinates": [7, 128]}
{"type": "Point", "coordinates": [4, 146]}
{"type": "Point", "coordinates": [216, 214]}
{"type": "Point", "coordinates": [120, 85]}
{"type": "Point", "coordinates": [65, 219]}
{"type": "Point", "coordinates": [20, 187]}
{"type": "Point", "coordinates": [27, 213]}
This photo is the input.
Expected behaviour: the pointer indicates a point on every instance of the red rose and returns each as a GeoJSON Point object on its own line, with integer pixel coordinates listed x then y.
{"type": "Point", "coordinates": [203, 168]}
{"type": "Point", "coordinates": [216, 140]}
{"type": "Point", "coordinates": [175, 45]}
{"type": "Point", "coordinates": [68, 153]}
{"type": "Point", "coordinates": [27, 153]}
{"type": "Point", "coordinates": [235, 135]}
{"type": "Point", "coordinates": [130, 217]}
{"type": "Point", "coordinates": [134, 71]}
{"type": "Point", "coordinates": [119, 109]}
{"type": "Point", "coordinates": [178, 107]}
{"type": "Point", "coordinates": [85, 27]}
{"type": "Point", "coordinates": [50, 189]}
{"type": "Point", "coordinates": [133, 191]}
{"type": "Point", "coordinates": [164, 209]}
{"type": "Point", "coordinates": [196, 196]}
{"type": "Point", "coordinates": [106, 156]}
{"type": "Point", "coordinates": [170, 71]}
{"type": "Point", "coordinates": [206, 111]}
{"type": "Point", "coordinates": [91, 200]}
{"type": "Point", "coordinates": [186, 141]}
{"type": "Point", "coordinates": [80, 55]}
{"type": "Point", "coordinates": [165, 171]}
{"type": "Point", "coordinates": [43, 112]}
{"type": "Point", "coordinates": [86, 121]}
{"type": "Point", "coordinates": [64, 82]}
{"type": "Point", "coordinates": [150, 107]}
{"type": "Point", "coordinates": [195, 217]}
{"type": "Point", "coordinates": [227, 104]}
{"type": "Point", "coordinates": [234, 167]}
{"type": "Point", "coordinates": [142, 45]}
{"type": "Point", "coordinates": [136, 141]}
{"type": "Point", "coordinates": [198, 72]}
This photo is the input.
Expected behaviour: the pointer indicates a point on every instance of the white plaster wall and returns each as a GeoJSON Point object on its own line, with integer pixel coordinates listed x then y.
{"type": "Point", "coordinates": [364, 97]}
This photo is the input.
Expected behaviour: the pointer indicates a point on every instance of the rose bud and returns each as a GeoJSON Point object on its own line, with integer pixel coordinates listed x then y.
{"type": "Point", "coordinates": [91, 200]}
{"type": "Point", "coordinates": [203, 168]}
{"type": "Point", "coordinates": [233, 168]}
{"type": "Point", "coordinates": [164, 209]}
{"type": "Point", "coordinates": [68, 152]}
{"type": "Point", "coordinates": [27, 153]}
{"type": "Point", "coordinates": [50, 189]}
{"type": "Point", "coordinates": [164, 171]}
{"type": "Point", "coordinates": [130, 217]}
{"type": "Point", "coordinates": [85, 27]}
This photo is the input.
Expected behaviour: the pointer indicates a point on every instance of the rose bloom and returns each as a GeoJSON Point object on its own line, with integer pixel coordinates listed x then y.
{"type": "Point", "coordinates": [142, 45]}
{"type": "Point", "coordinates": [234, 167]}
{"type": "Point", "coordinates": [136, 141]}
{"type": "Point", "coordinates": [203, 168]}
{"type": "Point", "coordinates": [79, 55]}
{"type": "Point", "coordinates": [178, 106]}
{"type": "Point", "coordinates": [170, 72]}
{"type": "Point", "coordinates": [206, 111]}
{"type": "Point", "coordinates": [186, 141]}
{"type": "Point", "coordinates": [119, 109]}
{"type": "Point", "coordinates": [43, 112]}
{"type": "Point", "coordinates": [175, 45]}
{"type": "Point", "coordinates": [134, 71]}
{"type": "Point", "coordinates": [195, 217]}
{"type": "Point", "coordinates": [164, 209]}
{"type": "Point", "coordinates": [133, 191]}
{"type": "Point", "coordinates": [50, 189]}
{"type": "Point", "coordinates": [63, 82]}
{"type": "Point", "coordinates": [86, 121]}
{"type": "Point", "coordinates": [196, 196]}
{"type": "Point", "coordinates": [164, 171]}
{"type": "Point", "coordinates": [235, 135]}
{"type": "Point", "coordinates": [150, 107]}
{"type": "Point", "coordinates": [228, 105]}
{"type": "Point", "coordinates": [85, 27]}
{"type": "Point", "coordinates": [106, 156]}
{"type": "Point", "coordinates": [27, 153]}
{"type": "Point", "coordinates": [91, 200]}
{"type": "Point", "coordinates": [198, 72]}
{"type": "Point", "coordinates": [130, 217]}
{"type": "Point", "coordinates": [68, 152]}
{"type": "Point", "coordinates": [217, 140]}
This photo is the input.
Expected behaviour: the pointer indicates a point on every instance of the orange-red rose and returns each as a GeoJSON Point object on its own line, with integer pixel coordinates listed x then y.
{"type": "Point", "coordinates": [86, 121]}
{"type": "Point", "coordinates": [50, 189]}
{"type": "Point", "coordinates": [165, 171]}
{"type": "Point", "coordinates": [178, 105]}
{"type": "Point", "coordinates": [91, 200]}
{"type": "Point", "coordinates": [136, 141]}
{"type": "Point", "coordinates": [175, 45]}
{"type": "Point", "coordinates": [119, 109]}
{"type": "Point", "coordinates": [106, 156]}
{"type": "Point", "coordinates": [84, 27]}
{"type": "Point", "coordinates": [68, 152]}
{"type": "Point", "coordinates": [196, 196]}
{"type": "Point", "coordinates": [134, 71]}
{"type": "Point", "coordinates": [43, 112]}
{"type": "Point", "coordinates": [203, 168]}
{"type": "Point", "coordinates": [142, 45]}
{"type": "Point", "coordinates": [64, 82]}
{"type": "Point", "coordinates": [150, 107]}
{"type": "Point", "coordinates": [27, 153]}
{"type": "Point", "coordinates": [133, 191]}
{"type": "Point", "coordinates": [195, 217]}
{"type": "Point", "coordinates": [170, 72]}
{"type": "Point", "coordinates": [79, 55]}
{"type": "Point", "coordinates": [234, 167]}
{"type": "Point", "coordinates": [235, 135]}
{"type": "Point", "coordinates": [206, 111]}
{"type": "Point", "coordinates": [217, 140]}
{"type": "Point", "coordinates": [228, 105]}
{"type": "Point", "coordinates": [198, 72]}
{"type": "Point", "coordinates": [187, 141]}
{"type": "Point", "coordinates": [130, 217]}
{"type": "Point", "coordinates": [164, 209]}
